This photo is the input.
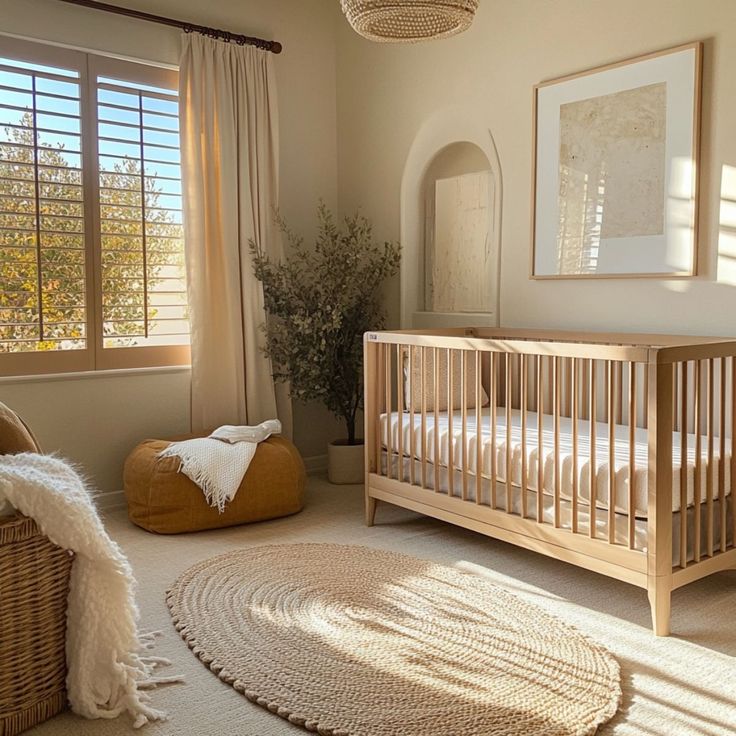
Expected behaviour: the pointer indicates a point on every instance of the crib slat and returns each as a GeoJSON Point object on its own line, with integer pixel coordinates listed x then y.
{"type": "Point", "coordinates": [478, 429]}
{"type": "Point", "coordinates": [632, 456]}
{"type": "Point", "coordinates": [523, 407]}
{"type": "Point", "coordinates": [683, 464]}
{"type": "Point", "coordinates": [377, 399]}
{"type": "Point", "coordinates": [412, 435]}
{"type": "Point", "coordinates": [389, 409]}
{"type": "Point", "coordinates": [423, 387]}
{"type": "Point", "coordinates": [675, 402]}
{"type": "Point", "coordinates": [612, 373]}
{"type": "Point", "coordinates": [592, 478]}
{"type": "Point", "coordinates": [494, 404]}
{"type": "Point", "coordinates": [698, 460]}
{"type": "Point", "coordinates": [709, 466]}
{"type": "Point", "coordinates": [540, 440]}
{"type": "Point", "coordinates": [574, 411]}
{"type": "Point", "coordinates": [620, 392]}
{"type": "Point", "coordinates": [437, 444]}
{"type": "Point", "coordinates": [400, 409]}
{"type": "Point", "coordinates": [464, 415]}
{"type": "Point", "coordinates": [450, 423]}
{"type": "Point", "coordinates": [556, 401]}
{"type": "Point", "coordinates": [508, 433]}
{"type": "Point", "coordinates": [722, 458]}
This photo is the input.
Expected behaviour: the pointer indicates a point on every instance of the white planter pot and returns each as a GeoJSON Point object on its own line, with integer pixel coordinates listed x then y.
{"type": "Point", "coordinates": [345, 463]}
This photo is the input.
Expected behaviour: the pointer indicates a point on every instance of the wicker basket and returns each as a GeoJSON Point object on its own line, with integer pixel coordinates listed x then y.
{"type": "Point", "coordinates": [34, 582]}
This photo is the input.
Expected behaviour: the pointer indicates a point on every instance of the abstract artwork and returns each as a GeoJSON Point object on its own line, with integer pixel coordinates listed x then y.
{"type": "Point", "coordinates": [616, 169]}
{"type": "Point", "coordinates": [460, 247]}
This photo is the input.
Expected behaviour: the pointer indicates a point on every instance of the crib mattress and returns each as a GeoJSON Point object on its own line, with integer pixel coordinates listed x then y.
{"type": "Point", "coordinates": [450, 435]}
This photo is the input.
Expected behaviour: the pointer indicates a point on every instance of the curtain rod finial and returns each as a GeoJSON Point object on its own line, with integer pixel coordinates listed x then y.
{"type": "Point", "coordinates": [276, 47]}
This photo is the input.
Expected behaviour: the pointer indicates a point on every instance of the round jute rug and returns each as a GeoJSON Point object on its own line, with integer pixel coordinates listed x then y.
{"type": "Point", "coordinates": [352, 641]}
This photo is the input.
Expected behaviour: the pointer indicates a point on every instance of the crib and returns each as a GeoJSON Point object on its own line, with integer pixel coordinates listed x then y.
{"type": "Point", "coordinates": [613, 452]}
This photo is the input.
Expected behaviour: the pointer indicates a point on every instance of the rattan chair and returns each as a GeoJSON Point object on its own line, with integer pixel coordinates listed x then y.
{"type": "Point", "coordinates": [34, 582]}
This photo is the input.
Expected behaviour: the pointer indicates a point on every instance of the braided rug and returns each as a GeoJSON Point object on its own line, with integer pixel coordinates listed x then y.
{"type": "Point", "coordinates": [353, 641]}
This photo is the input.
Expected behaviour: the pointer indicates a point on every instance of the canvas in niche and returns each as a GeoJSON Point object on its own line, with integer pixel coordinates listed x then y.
{"type": "Point", "coordinates": [458, 278]}
{"type": "Point", "coordinates": [612, 172]}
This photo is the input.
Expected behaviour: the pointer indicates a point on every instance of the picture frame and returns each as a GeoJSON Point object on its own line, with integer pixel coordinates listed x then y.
{"type": "Point", "coordinates": [615, 169]}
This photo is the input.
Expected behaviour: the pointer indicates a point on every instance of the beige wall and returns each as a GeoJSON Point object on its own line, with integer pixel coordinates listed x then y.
{"type": "Point", "coordinates": [95, 421]}
{"type": "Point", "coordinates": [386, 93]}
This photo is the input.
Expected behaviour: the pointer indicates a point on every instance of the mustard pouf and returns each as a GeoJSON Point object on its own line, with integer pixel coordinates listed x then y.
{"type": "Point", "coordinates": [163, 500]}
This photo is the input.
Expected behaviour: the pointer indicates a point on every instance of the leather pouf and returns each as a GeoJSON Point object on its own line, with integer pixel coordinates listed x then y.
{"type": "Point", "coordinates": [163, 500]}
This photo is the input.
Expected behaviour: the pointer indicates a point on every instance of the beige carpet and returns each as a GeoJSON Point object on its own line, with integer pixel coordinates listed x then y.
{"type": "Point", "coordinates": [684, 685]}
{"type": "Point", "coordinates": [346, 639]}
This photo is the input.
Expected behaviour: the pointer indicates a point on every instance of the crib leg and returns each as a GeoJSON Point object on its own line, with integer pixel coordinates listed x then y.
{"type": "Point", "coordinates": [660, 595]}
{"type": "Point", "coordinates": [370, 510]}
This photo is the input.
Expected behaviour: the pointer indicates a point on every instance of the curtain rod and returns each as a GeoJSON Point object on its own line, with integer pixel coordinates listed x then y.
{"type": "Point", "coordinates": [239, 38]}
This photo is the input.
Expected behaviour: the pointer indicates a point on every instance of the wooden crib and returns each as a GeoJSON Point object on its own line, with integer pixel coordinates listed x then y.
{"type": "Point", "coordinates": [629, 437]}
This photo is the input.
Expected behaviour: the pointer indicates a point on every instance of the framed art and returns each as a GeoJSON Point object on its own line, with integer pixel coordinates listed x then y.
{"type": "Point", "coordinates": [615, 178]}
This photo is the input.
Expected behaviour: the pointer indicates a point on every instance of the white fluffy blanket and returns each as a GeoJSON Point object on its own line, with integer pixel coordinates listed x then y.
{"type": "Point", "coordinates": [106, 669]}
{"type": "Point", "coordinates": [218, 463]}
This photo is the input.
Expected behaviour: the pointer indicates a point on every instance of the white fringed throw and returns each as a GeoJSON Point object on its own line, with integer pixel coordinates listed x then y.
{"type": "Point", "coordinates": [106, 669]}
{"type": "Point", "coordinates": [218, 463]}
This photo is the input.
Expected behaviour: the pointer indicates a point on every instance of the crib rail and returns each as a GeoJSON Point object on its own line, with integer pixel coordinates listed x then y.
{"type": "Point", "coordinates": [563, 441]}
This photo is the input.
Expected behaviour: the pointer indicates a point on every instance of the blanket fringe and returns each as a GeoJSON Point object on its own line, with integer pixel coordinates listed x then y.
{"type": "Point", "coordinates": [198, 475]}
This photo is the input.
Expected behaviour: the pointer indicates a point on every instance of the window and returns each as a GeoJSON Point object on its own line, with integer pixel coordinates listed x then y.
{"type": "Point", "coordinates": [91, 244]}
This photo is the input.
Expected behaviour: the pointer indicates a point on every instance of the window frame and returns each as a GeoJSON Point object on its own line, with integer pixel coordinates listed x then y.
{"type": "Point", "coordinates": [93, 357]}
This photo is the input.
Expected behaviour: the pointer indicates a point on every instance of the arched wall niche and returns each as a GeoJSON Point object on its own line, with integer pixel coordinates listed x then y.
{"type": "Point", "coordinates": [450, 143]}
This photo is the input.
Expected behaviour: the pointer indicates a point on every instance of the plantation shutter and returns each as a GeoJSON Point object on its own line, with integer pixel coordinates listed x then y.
{"type": "Point", "coordinates": [143, 277]}
{"type": "Point", "coordinates": [43, 279]}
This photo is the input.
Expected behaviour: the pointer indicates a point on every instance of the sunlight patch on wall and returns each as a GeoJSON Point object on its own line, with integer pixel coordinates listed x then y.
{"type": "Point", "coordinates": [679, 285]}
{"type": "Point", "coordinates": [680, 211]}
{"type": "Point", "coordinates": [727, 231]}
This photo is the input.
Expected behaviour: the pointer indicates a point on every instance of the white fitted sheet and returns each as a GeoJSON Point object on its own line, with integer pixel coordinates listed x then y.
{"type": "Point", "coordinates": [447, 438]}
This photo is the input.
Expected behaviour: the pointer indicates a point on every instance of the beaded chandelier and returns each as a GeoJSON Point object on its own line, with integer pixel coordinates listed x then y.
{"type": "Point", "coordinates": [409, 21]}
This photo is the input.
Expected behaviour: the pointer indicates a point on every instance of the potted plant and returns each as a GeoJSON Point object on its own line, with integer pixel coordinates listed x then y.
{"type": "Point", "coordinates": [319, 302]}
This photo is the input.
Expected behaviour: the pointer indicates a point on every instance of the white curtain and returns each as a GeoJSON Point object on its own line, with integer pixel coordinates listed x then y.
{"type": "Point", "coordinates": [229, 139]}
